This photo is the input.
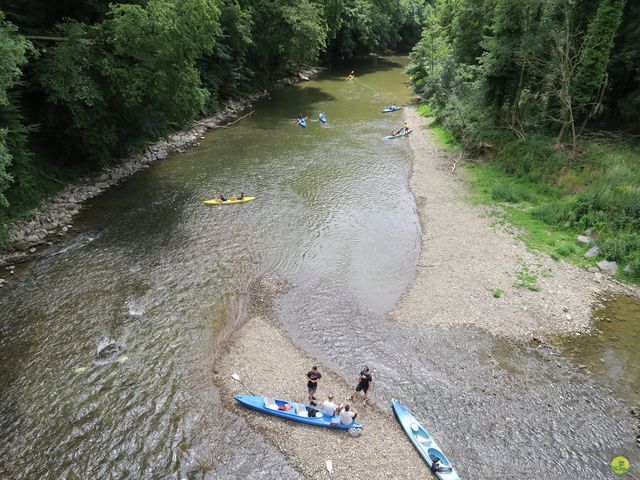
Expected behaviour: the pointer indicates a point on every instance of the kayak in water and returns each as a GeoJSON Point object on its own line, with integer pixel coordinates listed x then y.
{"type": "Point", "coordinates": [401, 133]}
{"type": "Point", "coordinates": [424, 443]}
{"type": "Point", "coordinates": [392, 108]}
{"type": "Point", "coordinates": [322, 117]}
{"type": "Point", "coordinates": [229, 201]}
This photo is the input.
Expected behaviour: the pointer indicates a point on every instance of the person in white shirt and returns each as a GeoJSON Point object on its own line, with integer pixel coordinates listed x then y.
{"type": "Point", "coordinates": [329, 407]}
{"type": "Point", "coordinates": [347, 416]}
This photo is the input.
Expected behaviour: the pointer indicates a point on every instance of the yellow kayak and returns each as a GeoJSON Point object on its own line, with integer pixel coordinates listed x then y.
{"type": "Point", "coordinates": [228, 201]}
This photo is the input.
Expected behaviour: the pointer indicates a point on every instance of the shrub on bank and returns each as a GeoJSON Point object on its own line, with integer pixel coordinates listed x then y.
{"type": "Point", "coordinates": [599, 190]}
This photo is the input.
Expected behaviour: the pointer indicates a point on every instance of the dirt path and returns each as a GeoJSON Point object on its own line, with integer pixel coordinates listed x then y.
{"type": "Point", "coordinates": [463, 258]}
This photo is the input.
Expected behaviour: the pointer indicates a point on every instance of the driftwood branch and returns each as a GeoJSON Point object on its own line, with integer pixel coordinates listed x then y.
{"type": "Point", "coordinates": [235, 121]}
{"type": "Point", "coordinates": [44, 38]}
{"type": "Point", "coordinates": [455, 164]}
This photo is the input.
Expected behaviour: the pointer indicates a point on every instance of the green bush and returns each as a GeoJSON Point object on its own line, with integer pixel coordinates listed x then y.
{"type": "Point", "coordinates": [620, 246]}
{"type": "Point", "coordinates": [505, 192]}
{"type": "Point", "coordinates": [512, 192]}
{"type": "Point", "coordinates": [634, 263]}
{"type": "Point", "coordinates": [557, 212]}
{"type": "Point", "coordinates": [566, 250]}
{"type": "Point", "coordinates": [534, 158]}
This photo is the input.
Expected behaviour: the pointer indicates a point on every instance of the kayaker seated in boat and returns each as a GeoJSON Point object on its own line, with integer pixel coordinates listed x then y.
{"type": "Point", "coordinates": [329, 407]}
{"type": "Point", "coordinates": [223, 198]}
{"type": "Point", "coordinates": [437, 467]}
{"type": "Point", "coordinates": [238, 197]}
{"type": "Point", "coordinates": [347, 415]}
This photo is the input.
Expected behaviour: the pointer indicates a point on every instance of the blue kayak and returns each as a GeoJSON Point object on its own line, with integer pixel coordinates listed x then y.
{"type": "Point", "coordinates": [297, 412]}
{"type": "Point", "coordinates": [393, 108]}
{"type": "Point", "coordinates": [322, 117]}
{"type": "Point", "coordinates": [424, 443]}
{"type": "Point", "coordinates": [401, 133]}
{"type": "Point", "coordinates": [302, 123]}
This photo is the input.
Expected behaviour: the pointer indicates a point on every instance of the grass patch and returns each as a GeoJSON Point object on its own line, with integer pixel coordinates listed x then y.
{"type": "Point", "coordinates": [497, 292]}
{"type": "Point", "coordinates": [426, 110]}
{"type": "Point", "coordinates": [518, 200]}
{"type": "Point", "coordinates": [526, 279]}
{"type": "Point", "coordinates": [550, 198]}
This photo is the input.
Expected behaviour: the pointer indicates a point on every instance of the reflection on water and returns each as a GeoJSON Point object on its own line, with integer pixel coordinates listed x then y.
{"type": "Point", "coordinates": [612, 351]}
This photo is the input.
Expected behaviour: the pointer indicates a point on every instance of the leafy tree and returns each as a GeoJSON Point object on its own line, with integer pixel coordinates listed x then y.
{"type": "Point", "coordinates": [13, 54]}
{"type": "Point", "coordinates": [622, 99]}
{"type": "Point", "coordinates": [130, 78]}
{"type": "Point", "coordinates": [590, 77]}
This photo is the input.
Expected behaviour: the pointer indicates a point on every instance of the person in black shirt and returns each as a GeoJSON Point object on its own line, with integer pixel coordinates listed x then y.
{"type": "Point", "coordinates": [312, 382]}
{"type": "Point", "coordinates": [364, 383]}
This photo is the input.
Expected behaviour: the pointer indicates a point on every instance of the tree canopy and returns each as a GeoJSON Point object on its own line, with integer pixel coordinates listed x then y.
{"type": "Point", "coordinates": [84, 82]}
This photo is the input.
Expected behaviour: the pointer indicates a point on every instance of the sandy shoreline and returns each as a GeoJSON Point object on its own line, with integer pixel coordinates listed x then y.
{"type": "Point", "coordinates": [463, 258]}
{"type": "Point", "coordinates": [268, 362]}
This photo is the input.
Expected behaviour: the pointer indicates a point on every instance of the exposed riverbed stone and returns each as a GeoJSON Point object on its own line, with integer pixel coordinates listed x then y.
{"type": "Point", "coordinates": [608, 267]}
{"type": "Point", "coordinates": [592, 252]}
{"type": "Point", "coordinates": [583, 240]}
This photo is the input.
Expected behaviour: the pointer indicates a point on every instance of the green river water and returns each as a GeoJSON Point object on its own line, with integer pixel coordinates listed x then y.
{"type": "Point", "coordinates": [107, 341]}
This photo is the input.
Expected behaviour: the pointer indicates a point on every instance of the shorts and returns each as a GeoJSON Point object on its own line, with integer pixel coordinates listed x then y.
{"type": "Point", "coordinates": [362, 386]}
{"type": "Point", "coordinates": [312, 390]}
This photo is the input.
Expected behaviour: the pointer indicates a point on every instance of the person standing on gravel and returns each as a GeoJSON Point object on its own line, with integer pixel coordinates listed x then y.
{"type": "Point", "coordinates": [364, 384]}
{"type": "Point", "coordinates": [313, 376]}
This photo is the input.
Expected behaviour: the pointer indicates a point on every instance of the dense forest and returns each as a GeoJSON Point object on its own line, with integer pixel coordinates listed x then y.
{"type": "Point", "coordinates": [549, 92]}
{"type": "Point", "coordinates": [83, 82]}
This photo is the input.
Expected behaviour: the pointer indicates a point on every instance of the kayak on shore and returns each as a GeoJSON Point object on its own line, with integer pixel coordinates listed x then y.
{"type": "Point", "coordinates": [392, 108]}
{"type": "Point", "coordinates": [401, 133]}
{"type": "Point", "coordinates": [228, 201]}
{"type": "Point", "coordinates": [424, 443]}
{"type": "Point", "coordinates": [297, 412]}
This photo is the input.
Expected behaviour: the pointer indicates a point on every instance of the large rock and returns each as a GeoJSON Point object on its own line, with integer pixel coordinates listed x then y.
{"type": "Point", "coordinates": [592, 252]}
{"type": "Point", "coordinates": [607, 267]}
{"type": "Point", "coordinates": [583, 240]}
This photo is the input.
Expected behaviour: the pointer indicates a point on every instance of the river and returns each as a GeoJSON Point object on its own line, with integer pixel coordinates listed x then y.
{"type": "Point", "coordinates": [108, 340]}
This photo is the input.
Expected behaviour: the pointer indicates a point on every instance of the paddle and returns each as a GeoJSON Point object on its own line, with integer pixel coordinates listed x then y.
{"type": "Point", "coordinates": [236, 377]}
{"type": "Point", "coordinates": [329, 465]}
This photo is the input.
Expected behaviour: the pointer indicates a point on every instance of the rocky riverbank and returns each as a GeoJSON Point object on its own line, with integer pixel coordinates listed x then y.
{"type": "Point", "coordinates": [466, 258]}
{"type": "Point", "coordinates": [52, 220]}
